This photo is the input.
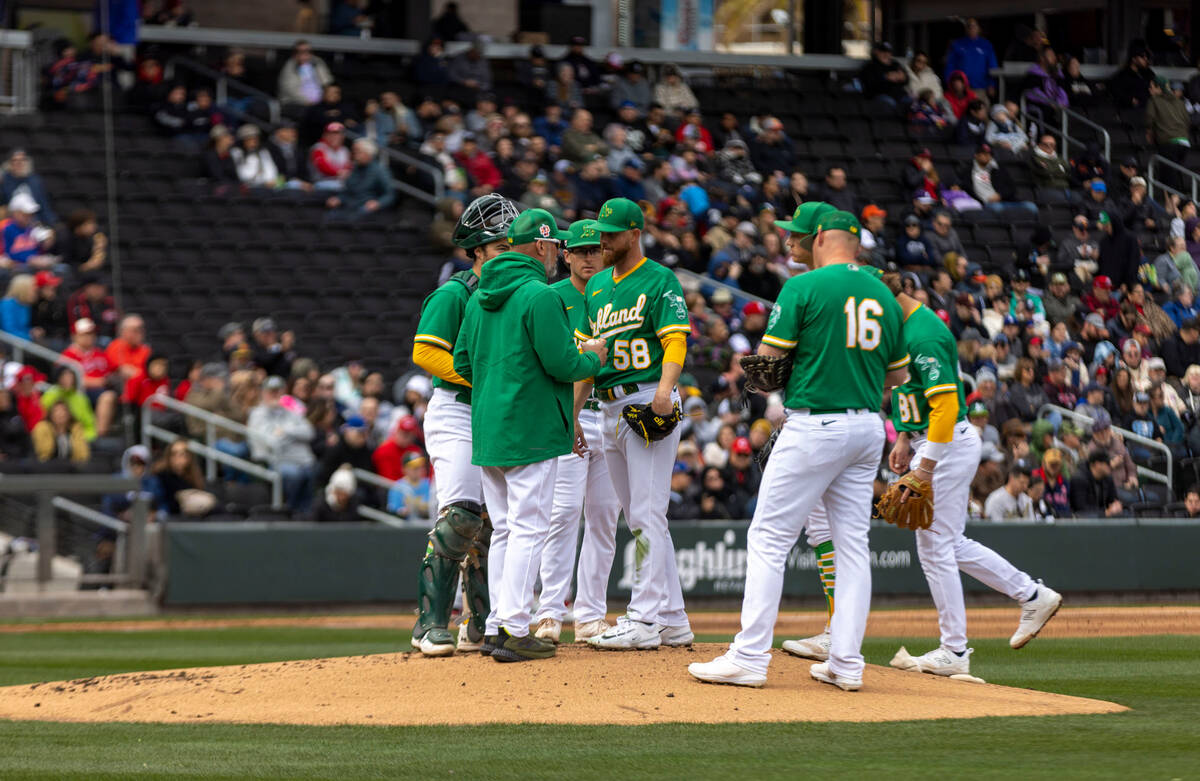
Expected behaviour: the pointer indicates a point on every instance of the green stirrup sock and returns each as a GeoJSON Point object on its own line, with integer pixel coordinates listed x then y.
{"type": "Point", "coordinates": [826, 567]}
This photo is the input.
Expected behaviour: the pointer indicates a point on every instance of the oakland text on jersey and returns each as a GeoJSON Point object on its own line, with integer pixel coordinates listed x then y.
{"type": "Point", "coordinates": [629, 318]}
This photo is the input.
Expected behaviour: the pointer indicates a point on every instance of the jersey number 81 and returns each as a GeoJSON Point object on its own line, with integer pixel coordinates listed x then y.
{"type": "Point", "coordinates": [862, 330]}
{"type": "Point", "coordinates": [633, 352]}
{"type": "Point", "coordinates": [909, 411]}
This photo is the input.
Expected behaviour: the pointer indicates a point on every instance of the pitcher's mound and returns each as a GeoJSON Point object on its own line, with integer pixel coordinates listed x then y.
{"type": "Point", "coordinates": [579, 686]}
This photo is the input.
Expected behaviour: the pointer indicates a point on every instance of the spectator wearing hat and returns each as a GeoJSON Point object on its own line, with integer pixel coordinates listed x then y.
{"type": "Point", "coordinates": [1143, 422]}
{"type": "Point", "coordinates": [673, 93]}
{"type": "Point", "coordinates": [1124, 471]}
{"type": "Point", "coordinates": [280, 437]}
{"type": "Point", "coordinates": [978, 415]}
{"type": "Point", "coordinates": [338, 501]}
{"type": "Point", "coordinates": [928, 116]}
{"type": "Point", "coordinates": [628, 182]}
{"type": "Point", "coordinates": [1051, 174]}
{"type": "Point", "coordinates": [50, 325]}
{"type": "Point", "coordinates": [1167, 125]}
{"type": "Point", "coordinates": [734, 166]}
{"type": "Point", "coordinates": [368, 188]}
{"type": "Point", "coordinates": [24, 242]}
{"type": "Point", "coordinates": [587, 72]}
{"type": "Point", "coordinates": [210, 392]}
{"type": "Point", "coordinates": [1130, 86]}
{"type": "Point", "coordinates": [1120, 254]}
{"type": "Point", "coordinates": [1095, 399]}
{"type": "Point", "coordinates": [289, 158]}
{"type": "Point", "coordinates": [972, 127]}
{"type": "Point", "coordinates": [684, 501]}
{"type": "Point", "coordinates": [1183, 349]}
{"type": "Point", "coordinates": [1043, 81]}
{"type": "Point", "coordinates": [1101, 301]}
{"type": "Point", "coordinates": [1005, 134]}
{"type": "Point", "coordinates": [1059, 303]}
{"type": "Point", "coordinates": [219, 165]}
{"type": "Point", "coordinates": [727, 265]}
{"type": "Point", "coordinates": [255, 166]}
{"type": "Point", "coordinates": [874, 247]}
{"type": "Point", "coordinates": [1059, 387]}
{"type": "Point", "coordinates": [93, 302]}
{"type": "Point", "coordinates": [772, 151]}
{"type": "Point", "coordinates": [1024, 304]}
{"type": "Point", "coordinates": [742, 476]}
{"type": "Point", "coordinates": [1093, 490]}
{"type": "Point", "coordinates": [410, 497]}
{"type": "Point", "coordinates": [1010, 502]}
{"type": "Point", "coordinates": [884, 79]}
{"type": "Point", "coordinates": [1098, 201]}
{"type": "Point", "coordinates": [691, 131]}
{"type": "Point", "coordinates": [272, 350]}
{"type": "Point", "coordinates": [388, 458]}
{"type": "Point", "coordinates": [1057, 496]}
{"type": "Point", "coordinates": [1156, 374]}
{"type": "Point", "coordinates": [631, 89]}
{"type": "Point", "coordinates": [992, 186]}
{"type": "Point", "coordinates": [350, 449]}
{"type": "Point", "coordinates": [913, 251]}
{"type": "Point", "coordinates": [1140, 214]}
{"type": "Point", "coordinates": [96, 372]}
{"type": "Point", "coordinates": [1078, 248]}
{"type": "Point", "coordinates": [329, 159]}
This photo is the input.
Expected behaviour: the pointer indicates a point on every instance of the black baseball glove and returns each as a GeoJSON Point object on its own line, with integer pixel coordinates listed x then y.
{"type": "Point", "coordinates": [648, 424]}
{"type": "Point", "coordinates": [766, 373]}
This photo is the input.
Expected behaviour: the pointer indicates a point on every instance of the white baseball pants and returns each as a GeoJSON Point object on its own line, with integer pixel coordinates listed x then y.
{"type": "Point", "coordinates": [518, 499]}
{"type": "Point", "coordinates": [582, 486]}
{"type": "Point", "coordinates": [818, 458]}
{"type": "Point", "coordinates": [944, 550]}
{"type": "Point", "coordinates": [448, 440]}
{"type": "Point", "coordinates": [641, 479]}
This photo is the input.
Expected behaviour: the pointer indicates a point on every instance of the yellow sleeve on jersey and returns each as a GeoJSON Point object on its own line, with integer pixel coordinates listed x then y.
{"type": "Point", "coordinates": [943, 414]}
{"type": "Point", "coordinates": [437, 361]}
{"type": "Point", "coordinates": [674, 347]}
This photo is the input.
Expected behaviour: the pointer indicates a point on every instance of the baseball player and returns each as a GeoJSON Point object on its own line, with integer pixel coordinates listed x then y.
{"type": "Point", "coordinates": [939, 444]}
{"type": "Point", "coordinates": [802, 230]}
{"type": "Point", "coordinates": [582, 485]}
{"type": "Point", "coordinates": [841, 327]}
{"type": "Point", "coordinates": [460, 535]}
{"type": "Point", "coordinates": [518, 350]}
{"type": "Point", "coordinates": [637, 307]}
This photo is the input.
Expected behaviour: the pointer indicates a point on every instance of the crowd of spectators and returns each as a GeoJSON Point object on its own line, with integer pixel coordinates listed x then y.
{"type": "Point", "coordinates": [1096, 315]}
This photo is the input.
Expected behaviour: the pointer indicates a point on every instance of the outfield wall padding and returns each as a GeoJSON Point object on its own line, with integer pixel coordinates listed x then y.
{"type": "Point", "coordinates": [280, 563]}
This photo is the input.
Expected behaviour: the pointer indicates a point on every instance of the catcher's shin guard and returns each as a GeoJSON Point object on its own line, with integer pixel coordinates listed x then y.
{"type": "Point", "coordinates": [475, 582]}
{"type": "Point", "coordinates": [450, 540]}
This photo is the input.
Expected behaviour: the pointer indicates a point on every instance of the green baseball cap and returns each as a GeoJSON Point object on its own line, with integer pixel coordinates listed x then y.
{"type": "Point", "coordinates": [618, 215]}
{"type": "Point", "coordinates": [805, 218]}
{"type": "Point", "coordinates": [839, 221]}
{"type": "Point", "coordinates": [977, 409]}
{"type": "Point", "coordinates": [532, 225]}
{"type": "Point", "coordinates": [583, 234]}
{"type": "Point", "coordinates": [1103, 219]}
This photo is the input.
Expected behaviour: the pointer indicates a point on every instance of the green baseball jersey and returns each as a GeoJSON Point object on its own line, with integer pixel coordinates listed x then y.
{"type": "Point", "coordinates": [933, 370]}
{"type": "Point", "coordinates": [576, 307]}
{"type": "Point", "coordinates": [633, 313]}
{"type": "Point", "coordinates": [441, 319]}
{"type": "Point", "coordinates": [843, 328]}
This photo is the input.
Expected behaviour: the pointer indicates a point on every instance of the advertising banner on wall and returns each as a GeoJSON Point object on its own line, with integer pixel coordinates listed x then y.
{"type": "Point", "coordinates": [687, 24]}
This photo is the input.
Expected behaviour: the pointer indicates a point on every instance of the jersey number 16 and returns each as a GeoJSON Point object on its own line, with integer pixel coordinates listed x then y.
{"type": "Point", "coordinates": [862, 329]}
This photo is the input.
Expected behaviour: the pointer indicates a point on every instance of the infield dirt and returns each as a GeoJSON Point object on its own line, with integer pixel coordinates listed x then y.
{"type": "Point", "coordinates": [579, 686]}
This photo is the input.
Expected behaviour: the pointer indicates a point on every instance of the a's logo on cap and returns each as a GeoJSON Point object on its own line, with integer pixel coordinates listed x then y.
{"type": "Point", "coordinates": [606, 211]}
{"type": "Point", "coordinates": [544, 230]}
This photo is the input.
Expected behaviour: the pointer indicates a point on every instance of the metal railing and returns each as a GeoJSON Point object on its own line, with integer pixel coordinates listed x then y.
{"type": "Point", "coordinates": [437, 175]}
{"type": "Point", "coordinates": [1153, 181]}
{"type": "Point", "coordinates": [1143, 471]}
{"type": "Point", "coordinates": [222, 84]}
{"type": "Point", "coordinates": [382, 515]}
{"type": "Point", "coordinates": [18, 72]}
{"type": "Point", "coordinates": [90, 515]}
{"type": "Point", "coordinates": [1019, 70]}
{"type": "Point", "coordinates": [210, 453]}
{"type": "Point", "coordinates": [21, 346]}
{"type": "Point", "coordinates": [48, 490]}
{"type": "Point", "coordinates": [1063, 132]}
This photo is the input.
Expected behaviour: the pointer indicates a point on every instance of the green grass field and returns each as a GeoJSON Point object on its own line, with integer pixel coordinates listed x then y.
{"type": "Point", "coordinates": [1159, 677]}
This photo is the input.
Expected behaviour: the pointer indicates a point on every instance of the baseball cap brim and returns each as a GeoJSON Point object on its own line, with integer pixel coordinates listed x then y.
{"type": "Point", "coordinates": [610, 228]}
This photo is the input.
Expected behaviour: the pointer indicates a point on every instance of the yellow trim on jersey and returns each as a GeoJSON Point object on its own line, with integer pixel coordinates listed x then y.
{"type": "Point", "coordinates": [581, 335]}
{"type": "Point", "coordinates": [434, 340]}
{"type": "Point", "coordinates": [676, 328]}
{"type": "Point", "coordinates": [619, 330]}
{"type": "Point", "coordinates": [775, 341]}
{"type": "Point", "coordinates": [617, 279]}
{"type": "Point", "coordinates": [938, 389]}
{"type": "Point", "coordinates": [900, 364]}
{"type": "Point", "coordinates": [910, 314]}
{"type": "Point", "coordinates": [943, 414]}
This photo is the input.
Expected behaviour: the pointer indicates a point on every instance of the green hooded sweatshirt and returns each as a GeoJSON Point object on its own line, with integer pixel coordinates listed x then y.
{"type": "Point", "coordinates": [518, 351]}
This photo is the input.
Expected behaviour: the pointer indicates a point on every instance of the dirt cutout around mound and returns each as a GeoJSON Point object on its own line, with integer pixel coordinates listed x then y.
{"type": "Point", "coordinates": [579, 686]}
{"type": "Point", "coordinates": [983, 622]}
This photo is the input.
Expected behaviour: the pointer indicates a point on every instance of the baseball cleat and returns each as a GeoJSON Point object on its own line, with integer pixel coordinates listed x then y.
{"type": "Point", "coordinates": [815, 647]}
{"type": "Point", "coordinates": [628, 635]}
{"type": "Point", "coordinates": [465, 644]}
{"type": "Point", "coordinates": [489, 644]}
{"type": "Point", "coordinates": [943, 661]}
{"type": "Point", "coordinates": [822, 673]}
{"type": "Point", "coordinates": [521, 649]}
{"type": "Point", "coordinates": [676, 636]}
{"type": "Point", "coordinates": [1035, 614]}
{"type": "Point", "coordinates": [436, 642]}
{"type": "Point", "coordinates": [549, 629]}
{"type": "Point", "coordinates": [590, 629]}
{"type": "Point", "coordinates": [721, 670]}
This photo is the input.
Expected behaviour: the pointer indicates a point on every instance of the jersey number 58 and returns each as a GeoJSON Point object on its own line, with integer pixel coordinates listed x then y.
{"type": "Point", "coordinates": [631, 352]}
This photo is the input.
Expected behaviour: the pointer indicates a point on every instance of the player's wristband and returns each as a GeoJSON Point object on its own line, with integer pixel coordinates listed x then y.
{"type": "Point", "coordinates": [934, 451]}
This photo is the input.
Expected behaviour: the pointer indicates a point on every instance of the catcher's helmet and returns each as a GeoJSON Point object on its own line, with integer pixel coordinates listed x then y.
{"type": "Point", "coordinates": [485, 219]}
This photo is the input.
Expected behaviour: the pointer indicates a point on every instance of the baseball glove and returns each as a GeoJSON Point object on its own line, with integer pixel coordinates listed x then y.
{"type": "Point", "coordinates": [766, 373]}
{"type": "Point", "coordinates": [907, 503]}
{"type": "Point", "coordinates": [648, 424]}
